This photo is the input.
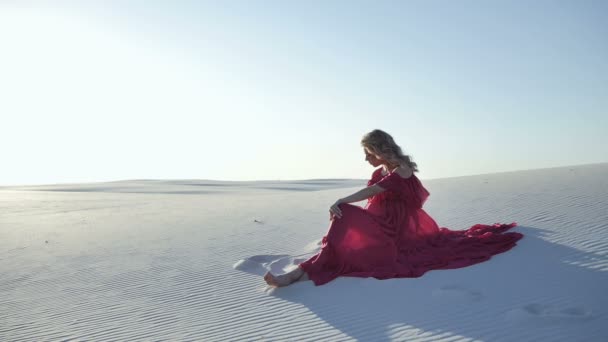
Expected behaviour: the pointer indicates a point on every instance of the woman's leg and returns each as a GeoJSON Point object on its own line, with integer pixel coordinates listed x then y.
{"type": "Point", "coordinates": [285, 279]}
{"type": "Point", "coordinates": [304, 277]}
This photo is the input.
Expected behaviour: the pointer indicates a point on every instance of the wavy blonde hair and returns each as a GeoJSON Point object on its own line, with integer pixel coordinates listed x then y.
{"type": "Point", "coordinates": [383, 145]}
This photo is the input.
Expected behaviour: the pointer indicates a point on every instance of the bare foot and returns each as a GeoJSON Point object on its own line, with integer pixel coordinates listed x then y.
{"type": "Point", "coordinates": [284, 279]}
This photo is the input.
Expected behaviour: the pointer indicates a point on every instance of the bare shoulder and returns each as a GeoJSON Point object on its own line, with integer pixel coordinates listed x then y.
{"type": "Point", "coordinates": [404, 171]}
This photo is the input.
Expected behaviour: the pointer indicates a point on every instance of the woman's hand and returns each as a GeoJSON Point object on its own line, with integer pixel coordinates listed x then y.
{"type": "Point", "coordinates": [334, 210]}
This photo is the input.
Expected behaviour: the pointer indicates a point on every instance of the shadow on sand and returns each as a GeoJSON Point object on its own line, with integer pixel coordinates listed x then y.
{"type": "Point", "coordinates": [511, 296]}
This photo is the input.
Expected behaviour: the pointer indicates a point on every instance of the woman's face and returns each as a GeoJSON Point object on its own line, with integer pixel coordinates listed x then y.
{"type": "Point", "coordinates": [372, 158]}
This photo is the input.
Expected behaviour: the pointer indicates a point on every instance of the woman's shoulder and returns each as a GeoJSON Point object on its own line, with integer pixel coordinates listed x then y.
{"type": "Point", "coordinates": [404, 172]}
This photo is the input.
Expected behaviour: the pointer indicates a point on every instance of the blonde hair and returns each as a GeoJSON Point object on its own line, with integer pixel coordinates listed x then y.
{"type": "Point", "coordinates": [383, 145]}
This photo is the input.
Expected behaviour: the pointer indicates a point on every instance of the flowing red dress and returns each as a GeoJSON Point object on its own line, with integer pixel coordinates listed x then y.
{"type": "Point", "coordinates": [393, 237]}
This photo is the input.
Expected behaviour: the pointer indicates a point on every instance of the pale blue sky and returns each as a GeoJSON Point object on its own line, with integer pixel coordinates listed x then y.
{"type": "Point", "coordinates": [261, 90]}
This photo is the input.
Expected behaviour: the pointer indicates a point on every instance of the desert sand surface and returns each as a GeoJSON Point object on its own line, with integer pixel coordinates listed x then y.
{"type": "Point", "coordinates": [182, 260]}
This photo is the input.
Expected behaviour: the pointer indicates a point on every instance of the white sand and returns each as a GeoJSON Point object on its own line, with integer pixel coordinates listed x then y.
{"type": "Point", "coordinates": [182, 260]}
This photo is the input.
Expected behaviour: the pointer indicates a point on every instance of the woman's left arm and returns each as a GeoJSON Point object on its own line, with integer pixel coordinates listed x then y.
{"type": "Point", "coordinates": [356, 197]}
{"type": "Point", "coordinates": [361, 194]}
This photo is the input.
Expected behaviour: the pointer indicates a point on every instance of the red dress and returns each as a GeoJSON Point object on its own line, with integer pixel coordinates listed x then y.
{"type": "Point", "coordinates": [393, 237]}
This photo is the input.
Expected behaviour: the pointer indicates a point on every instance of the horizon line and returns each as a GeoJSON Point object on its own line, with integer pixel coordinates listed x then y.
{"type": "Point", "coordinates": [290, 180]}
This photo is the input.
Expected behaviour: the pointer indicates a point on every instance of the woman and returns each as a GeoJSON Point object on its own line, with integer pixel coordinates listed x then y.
{"type": "Point", "coordinates": [393, 237]}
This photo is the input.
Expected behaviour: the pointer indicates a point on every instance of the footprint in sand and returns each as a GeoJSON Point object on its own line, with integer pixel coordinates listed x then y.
{"type": "Point", "coordinates": [537, 312]}
{"type": "Point", "coordinates": [457, 292]}
{"type": "Point", "coordinates": [260, 264]}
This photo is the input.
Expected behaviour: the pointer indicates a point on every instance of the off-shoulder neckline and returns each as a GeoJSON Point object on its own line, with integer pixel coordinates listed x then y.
{"type": "Point", "coordinates": [398, 175]}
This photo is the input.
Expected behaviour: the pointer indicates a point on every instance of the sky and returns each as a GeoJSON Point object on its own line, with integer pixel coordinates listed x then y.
{"type": "Point", "coordinates": [285, 90]}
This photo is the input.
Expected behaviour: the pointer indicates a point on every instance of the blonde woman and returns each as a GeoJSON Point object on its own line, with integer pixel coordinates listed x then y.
{"type": "Point", "coordinates": [392, 236]}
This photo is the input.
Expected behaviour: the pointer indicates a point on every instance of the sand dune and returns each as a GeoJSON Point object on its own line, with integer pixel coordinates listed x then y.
{"type": "Point", "coordinates": [193, 186]}
{"type": "Point", "coordinates": [182, 260]}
